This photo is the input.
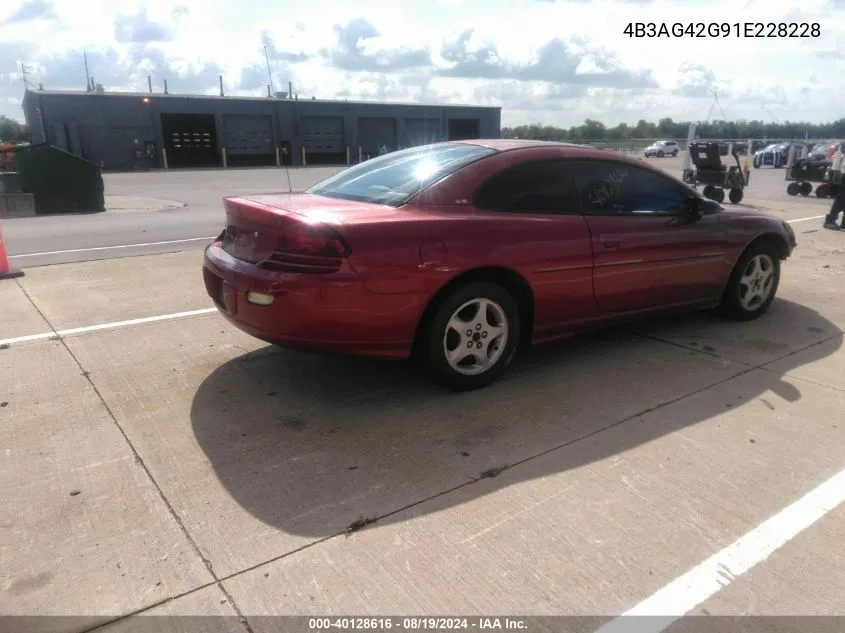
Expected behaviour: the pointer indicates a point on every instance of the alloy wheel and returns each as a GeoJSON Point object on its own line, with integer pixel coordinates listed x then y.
{"type": "Point", "coordinates": [756, 282]}
{"type": "Point", "coordinates": [475, 336]}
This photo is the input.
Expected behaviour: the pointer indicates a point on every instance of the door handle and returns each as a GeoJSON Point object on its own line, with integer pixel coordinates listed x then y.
{"type": "Point", "coordinates": [610, 244]}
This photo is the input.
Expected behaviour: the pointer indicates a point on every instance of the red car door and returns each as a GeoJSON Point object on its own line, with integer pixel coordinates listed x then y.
{"type": "Point", "coordinates": [532, 222]}
{"type": "Point", "coordinates": [649, 251]}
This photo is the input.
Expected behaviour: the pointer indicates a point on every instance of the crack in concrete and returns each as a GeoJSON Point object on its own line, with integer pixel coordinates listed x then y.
{"type": "Point", "coordinates": [375, 519]}
{"type": "Point", "coordinates": [139, 460]}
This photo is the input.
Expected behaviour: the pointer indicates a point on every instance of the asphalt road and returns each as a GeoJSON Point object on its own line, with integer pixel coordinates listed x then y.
{"type": "Point", "coordinates": [121, 233]}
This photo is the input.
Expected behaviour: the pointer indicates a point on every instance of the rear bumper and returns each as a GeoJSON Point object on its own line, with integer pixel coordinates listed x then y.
{"type": "Point", "coordinates": [332, 312]}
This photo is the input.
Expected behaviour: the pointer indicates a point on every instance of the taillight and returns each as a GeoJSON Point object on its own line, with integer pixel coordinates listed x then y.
{"type": "Point", "coordinates": [305, 248]}
{"type": "Point", "coordinates": [299, 237]}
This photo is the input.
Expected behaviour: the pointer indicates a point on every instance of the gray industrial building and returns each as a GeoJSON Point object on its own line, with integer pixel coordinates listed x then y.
{"type": "Point", "coordinates": [138, 131]}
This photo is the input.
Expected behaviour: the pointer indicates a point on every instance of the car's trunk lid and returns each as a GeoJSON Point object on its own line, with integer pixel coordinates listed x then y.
{"type": "Point", "coordinates": [296, 228]}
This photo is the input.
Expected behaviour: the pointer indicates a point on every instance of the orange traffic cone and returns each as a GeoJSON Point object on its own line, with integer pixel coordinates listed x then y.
{"type": "Point", "coordinates": [6, 271]}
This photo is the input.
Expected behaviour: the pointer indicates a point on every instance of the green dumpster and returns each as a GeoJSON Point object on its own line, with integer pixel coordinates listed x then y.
{"type": "Point", "coordinates": [59, 181]}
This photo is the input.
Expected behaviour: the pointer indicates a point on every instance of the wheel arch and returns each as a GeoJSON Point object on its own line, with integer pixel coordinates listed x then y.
{"type": "Point", "coordinates": [509, 279]}
{"type": "Point", "coordinates": [774, 239]}
{"type": "Point", "coordinates": [769, 237]}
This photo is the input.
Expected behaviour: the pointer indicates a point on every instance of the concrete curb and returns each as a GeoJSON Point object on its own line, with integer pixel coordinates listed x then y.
{"type": "Point", "coordinates": [17, 205]}
{"type": "Point", "coordinates": [123, 204]}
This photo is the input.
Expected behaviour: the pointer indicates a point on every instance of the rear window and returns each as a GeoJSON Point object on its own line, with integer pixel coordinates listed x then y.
{"type": "Point", "coordinates": [393, 179]}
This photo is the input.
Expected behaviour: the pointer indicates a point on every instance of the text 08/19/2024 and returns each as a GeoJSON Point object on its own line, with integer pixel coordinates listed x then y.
{"type": "Point", "coordinates": [723, 29]}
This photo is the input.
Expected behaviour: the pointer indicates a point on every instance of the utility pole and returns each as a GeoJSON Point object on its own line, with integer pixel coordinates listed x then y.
{"type": "Point", "coordinates": [269, 72]}
{"type": "Point", "coordinates": [23, 74]}
{"type": "Point", "coordinates": [87, 74]}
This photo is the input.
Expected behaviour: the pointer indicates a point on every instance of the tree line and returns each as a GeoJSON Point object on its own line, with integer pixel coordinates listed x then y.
{"type": "Point", "coordinates": [593, 130]}
{"type": "Point", "coordinates": [12, 131]}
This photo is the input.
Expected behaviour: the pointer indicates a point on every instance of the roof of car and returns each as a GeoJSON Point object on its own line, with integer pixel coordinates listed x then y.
{"type": "Point", "coordinates": [504, 144]}
{"type": "Point", "coordinates": [572, 150]}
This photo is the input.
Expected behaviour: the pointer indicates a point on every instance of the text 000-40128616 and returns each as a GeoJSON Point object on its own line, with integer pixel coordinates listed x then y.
{"type": "Point", "coordinates": [723, 29]}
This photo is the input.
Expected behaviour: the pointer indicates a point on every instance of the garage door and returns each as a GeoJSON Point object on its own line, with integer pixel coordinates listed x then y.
{"type": "Point", "coordinates": [322, 134]}
{"type": "Point", "coordinates": [190, 139]}
{"type": "Point", "coordinates": [376, 133]}
{"type": "Point", "coordinates": [248, 134]}
{"type": "Point", "coordinates": [422, 131]}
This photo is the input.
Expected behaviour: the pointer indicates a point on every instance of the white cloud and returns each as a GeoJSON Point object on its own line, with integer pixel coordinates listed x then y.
{"type": "Point", "coordinates": [552, 61]}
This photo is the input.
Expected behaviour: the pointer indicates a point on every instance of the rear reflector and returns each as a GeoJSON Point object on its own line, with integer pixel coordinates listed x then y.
{"type": "Point", "coordinates": [259, 298]}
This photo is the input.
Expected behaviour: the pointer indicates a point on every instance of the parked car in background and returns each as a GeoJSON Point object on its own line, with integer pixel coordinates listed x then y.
{"type": "Point", "coordinates": [801, 151]}
{"type": "Point", "coordinates": [769, 155]}
{"type": "Point", "coordinates": [777, 154]}
{"type": "Point", "coordinates": [461, 252]}
{"type": "Point", "coordinates": [823, 151]}
{"type": "Point", "coordinates": [662, 148]}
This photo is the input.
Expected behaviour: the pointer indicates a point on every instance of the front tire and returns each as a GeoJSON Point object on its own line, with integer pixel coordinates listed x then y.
{"type": "Point", "coordinates": [473, 336]}
{"type": "Point", "coordinates": [675, 154]}
{"type": "Point", "coordinates": [753, 283]}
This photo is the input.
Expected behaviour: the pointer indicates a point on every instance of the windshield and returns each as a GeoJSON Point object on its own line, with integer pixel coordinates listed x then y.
{"type": "Point", "coordinates": [393, 179]}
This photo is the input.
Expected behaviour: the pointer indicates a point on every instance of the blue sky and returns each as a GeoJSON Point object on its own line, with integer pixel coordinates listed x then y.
{"type": "Point", "coordinates": [550, 61]}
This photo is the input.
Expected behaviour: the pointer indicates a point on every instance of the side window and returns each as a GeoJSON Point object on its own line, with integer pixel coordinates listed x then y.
{"type": "Point", "coordinates": [534, 187]}
{"type": "Point", "coordinates": [607, 187]}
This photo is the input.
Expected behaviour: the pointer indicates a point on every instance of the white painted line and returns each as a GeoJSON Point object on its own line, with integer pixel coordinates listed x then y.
{"type": "Point", "coordinates": [105, 248]}
{"type": "Point", "coordinates": [104, 326]}
{"type": "Point", "coordinates": [815, 217]}
{"type": "Point", "coordinates": [685, 593]}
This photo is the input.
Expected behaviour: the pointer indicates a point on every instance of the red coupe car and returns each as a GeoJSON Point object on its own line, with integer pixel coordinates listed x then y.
{"type": "Point", "coordinates": [462, 251]}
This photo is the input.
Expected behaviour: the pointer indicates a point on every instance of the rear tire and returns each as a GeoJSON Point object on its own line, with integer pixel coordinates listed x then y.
{"type": "Point", "coordinates": [735, 196]}
{"type": "Point", "coordinates": [675, 154]}
{"type": "Point", "coordinates": [793, 189]}
{"type": "Point", "coordinates": [466, 348]}
{"type": "Point", "coordinates": [753, 283]}
{"type": "Point", "coordinates": [719, 195]}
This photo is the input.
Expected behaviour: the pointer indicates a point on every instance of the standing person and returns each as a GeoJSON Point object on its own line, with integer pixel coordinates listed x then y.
{"type": "Point", "coordinates": [836, 208]}
{"type": "Point", "coordinates": [838, 205]}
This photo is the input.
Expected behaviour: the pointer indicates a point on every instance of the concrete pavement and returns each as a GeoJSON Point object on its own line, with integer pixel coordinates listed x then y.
{"type": "Point", "coordinates": [181, 467]}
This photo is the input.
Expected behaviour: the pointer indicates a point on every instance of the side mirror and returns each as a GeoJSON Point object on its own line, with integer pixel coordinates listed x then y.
{"type": "Point", "coordinates": [692, 205]}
